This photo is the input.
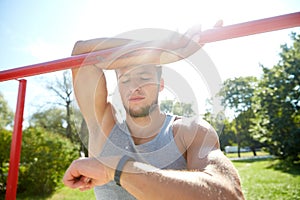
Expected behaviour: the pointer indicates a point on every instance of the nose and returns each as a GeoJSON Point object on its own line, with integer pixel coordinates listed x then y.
{"type": "Point", "coordinates": [134, 85]}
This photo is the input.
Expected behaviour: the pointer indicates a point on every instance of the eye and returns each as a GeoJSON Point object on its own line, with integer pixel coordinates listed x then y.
{"type": "Point", "coordinates": [124, 79]}
{"type": "Point", "coordinates": [145, 77]}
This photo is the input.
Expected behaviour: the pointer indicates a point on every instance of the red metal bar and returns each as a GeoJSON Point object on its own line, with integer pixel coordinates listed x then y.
{"type": "Point", "coordinates": [15, 149]}
{"type": "Point", "coordinates": [251, 28]}
{"type": "Point", "coordinates": [216, 34]}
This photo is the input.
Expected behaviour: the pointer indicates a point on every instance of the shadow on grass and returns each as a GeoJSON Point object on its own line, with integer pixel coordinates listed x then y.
{"type": "Point", "coordinates": [285, 166]}
{"type": "Point", "coordinates": [253, 159]}
{"type": "Point", "coordinates": [276, 164]}
{"type": "Point", "coordinates": [31, 197]}
{"type": "Point", "coordinates": [28, 197]}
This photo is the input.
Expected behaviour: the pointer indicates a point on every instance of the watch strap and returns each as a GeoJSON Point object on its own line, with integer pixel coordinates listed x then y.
{"type": "Point", "coordinates": [120, 166]}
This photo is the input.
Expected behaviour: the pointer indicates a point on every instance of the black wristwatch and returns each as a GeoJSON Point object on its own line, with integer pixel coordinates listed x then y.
{"type": "Point", "coordinates": [119, 168]}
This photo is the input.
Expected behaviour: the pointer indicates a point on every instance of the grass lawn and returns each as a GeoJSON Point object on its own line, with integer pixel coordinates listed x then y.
{"type": "Point", "coordinates": [66, 194]}
{"type": "Point", "coordinates": [247, 154]}
{"type": "Point", "coordinates": [269, 179]}
{"type": "Point", "coordinates": [261, 179]}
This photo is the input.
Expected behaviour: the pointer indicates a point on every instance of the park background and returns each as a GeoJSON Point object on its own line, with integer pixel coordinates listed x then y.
{"type": "Point", "coordinates": [39, 31]}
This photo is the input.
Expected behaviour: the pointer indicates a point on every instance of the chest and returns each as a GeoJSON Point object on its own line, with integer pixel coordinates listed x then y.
{"type": "Point", "coordinates": [162, 151]}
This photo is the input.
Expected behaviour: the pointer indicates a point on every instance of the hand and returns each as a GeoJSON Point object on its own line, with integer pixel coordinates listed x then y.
{"type": "Point", "coordinates": [194, 33]}
{"type": "Point", "coordinates": [85, 173]}
{"type": "Point", "coordinates": [161, 51]}
{"type": "Point", "coordinates": [181, 46]}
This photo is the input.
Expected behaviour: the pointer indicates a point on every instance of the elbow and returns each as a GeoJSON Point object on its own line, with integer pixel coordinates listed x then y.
{"type": "Point", "coordinates": [221, 190]}
{"type": "Point", "coordinates": [229, 194]}
{"type": "Point", "coordinates": [233, 193]}
{"type": "Point", "coordinates": [238, 193]}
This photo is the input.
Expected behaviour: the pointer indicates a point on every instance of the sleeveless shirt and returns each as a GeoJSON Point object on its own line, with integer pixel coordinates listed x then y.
{"type": "Point", "coordinates": [161, 152]}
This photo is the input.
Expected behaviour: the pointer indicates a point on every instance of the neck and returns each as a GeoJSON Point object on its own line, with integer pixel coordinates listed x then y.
{"type": "Point", "coordinates": [143, 129]}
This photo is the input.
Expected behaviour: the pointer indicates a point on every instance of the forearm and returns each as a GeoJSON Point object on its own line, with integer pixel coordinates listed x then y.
{"type": "Point", "coordinates": [131, 52]}
{"type": "Point", "coordinates": [97, 44]}
{"type": "Point", "coordinates": [146, 182]}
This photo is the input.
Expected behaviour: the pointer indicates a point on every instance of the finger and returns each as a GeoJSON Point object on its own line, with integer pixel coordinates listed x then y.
{"type": "Point", "coordinates": [85, 179]}
{"type": "Point", "coordinates": [194, 32]}
{"type": "Point", "coordinates": [218, 24]}
{"type": "Point", "coordinates": [74, 184]}
{"type": "Point", "coordinates": [87, 185]}
{"type": "Point", "coordinates": [85, 188]}
{"type": "Point", "coordinates": [70, 177]}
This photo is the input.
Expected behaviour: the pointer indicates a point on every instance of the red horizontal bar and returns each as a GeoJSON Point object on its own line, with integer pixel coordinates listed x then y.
{"type": "Point", "coordinates": [211, 35]}
{"type": "Point", "coordinates": [251, 28]}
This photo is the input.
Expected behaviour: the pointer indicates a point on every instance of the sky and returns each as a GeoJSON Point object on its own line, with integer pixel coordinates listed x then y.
{"type": "Point", "coordinates": [35, 31]}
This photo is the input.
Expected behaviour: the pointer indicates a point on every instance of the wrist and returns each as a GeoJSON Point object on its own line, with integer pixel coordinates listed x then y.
{"type": "Point", "coordinates": [120, 168]}
{"type": "Point", "coordinates": [110, 164]}
{"type": "Point", "coordinates": [110, 173]}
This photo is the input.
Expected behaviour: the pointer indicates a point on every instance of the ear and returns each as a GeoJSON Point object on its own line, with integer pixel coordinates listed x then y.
{"type": "Point", "coordinates": [161, 84]}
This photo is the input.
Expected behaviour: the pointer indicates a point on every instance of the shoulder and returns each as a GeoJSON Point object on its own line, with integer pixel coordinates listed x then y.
{"type": "Point", "coordinates": [189, 128]}
{"type": "Point", "coordinates": [191, 123]}
{"type": "Point", "coordinates": [197, 135]}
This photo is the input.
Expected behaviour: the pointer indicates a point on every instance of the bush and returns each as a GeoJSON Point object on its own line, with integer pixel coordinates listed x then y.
{"type": "Point", "coordinates": [5, 140]}
{"type": "Point", "coordinates": [45, 157]}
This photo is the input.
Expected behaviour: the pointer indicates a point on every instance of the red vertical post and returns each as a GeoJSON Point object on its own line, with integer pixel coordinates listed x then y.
{"type": "Point", "coordinates": [15, 149]}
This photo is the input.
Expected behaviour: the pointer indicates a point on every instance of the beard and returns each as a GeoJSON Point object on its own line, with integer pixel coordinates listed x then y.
{"type": "Point", "coordinates": [142, 111]}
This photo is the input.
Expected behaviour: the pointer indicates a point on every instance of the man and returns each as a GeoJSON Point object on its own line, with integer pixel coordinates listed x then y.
{"type": "Point", "coordinates": [151, 155]}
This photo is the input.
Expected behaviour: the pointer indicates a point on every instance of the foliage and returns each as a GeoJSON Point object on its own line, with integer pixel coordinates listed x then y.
{"type": "Point", "coordinates": [277, 119]}
{"type": "Point", "coordinates": [5, 141]}
{"type": "Point", "coordinates": [52, 120]}
{"type": "Point", "coordinates": [45, 156]}
{"type": "Point", "coordinates": [69, 121]}
{"type": "Point", "coordinates": [238, 94]}
{"type": "Point", "coordinates": [177, 108]}
{"type": "Point", "coordinates": [6, 119]}
{"type": "Point", "coordinates": [6, 114]}
{"type": "Point", "coordinates": [227, 137]}
{"type": "Point", "coordinates": [223, 128]}
{"type": "Point", "coordinates": [267, 110]}
{"type": "Point", "coordinates": [62, 88]}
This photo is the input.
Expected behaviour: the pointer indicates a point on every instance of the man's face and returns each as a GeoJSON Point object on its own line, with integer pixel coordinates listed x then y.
{"type": "Point", "coordinates": [139, 88]}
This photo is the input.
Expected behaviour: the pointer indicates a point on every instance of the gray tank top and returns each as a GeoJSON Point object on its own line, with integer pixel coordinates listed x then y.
{"type": "Point", "coordinates": [161, 152]}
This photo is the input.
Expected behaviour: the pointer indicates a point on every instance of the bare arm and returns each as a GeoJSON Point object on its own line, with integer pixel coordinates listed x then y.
{"type": "Point", "coordinates": [91, 92]}
{"type": "Point", "coordinates": [209, 176]}
{"type": "Point", "coordinates": [146, 182]}
{"type": "Point", "coordinates": [90, 84]}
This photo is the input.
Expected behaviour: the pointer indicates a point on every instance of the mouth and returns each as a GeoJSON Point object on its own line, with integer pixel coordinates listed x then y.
{"type": "Point", "coordinates": [136, 98]}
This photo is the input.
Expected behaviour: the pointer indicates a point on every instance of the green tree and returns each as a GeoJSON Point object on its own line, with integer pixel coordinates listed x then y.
{"type": "Point", "coordinates": [237, 94]}
{"type": "Point", "coordinates": [73, 122]}
{"type": "Point", "coordinates": [6, 119]}
{"type": "Point", "coordinates": [228, 134]}
{"type": "Point", "coordinates": [5, 142]}
{"type": "Point", "coordinates": [224, 128]}
{"type": "Point", "coordinates": [52, 120]}
{"type": "Point", "coordinates": [243, 122]}
{"type": "Point", "coordinates": [62, 88]}
{"type": "Point", "coordinates": [277, 120]}
{"type": "Point", "coordinates": [177, 108]}
{"type": "Point", "coordinates": [6, 114]}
